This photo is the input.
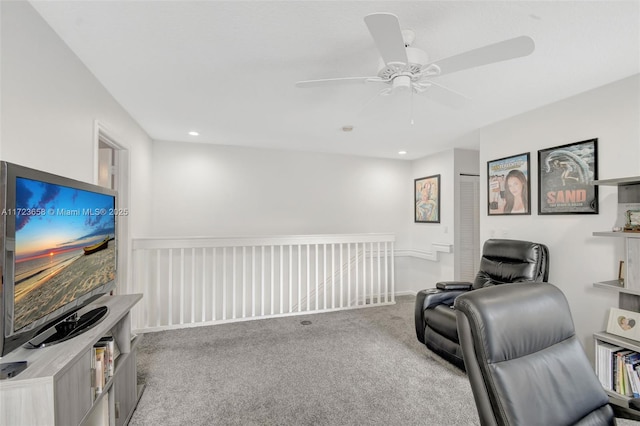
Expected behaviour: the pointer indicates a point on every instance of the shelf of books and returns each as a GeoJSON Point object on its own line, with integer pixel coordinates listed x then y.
{"type": "Point", "coordinates": [618, 366]}
{"type": "Point", "coordinates": [107, 362]}
{"type": "Point", "coordinates": [102, 365]}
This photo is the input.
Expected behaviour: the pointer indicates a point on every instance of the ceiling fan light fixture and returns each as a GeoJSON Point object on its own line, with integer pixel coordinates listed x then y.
{"type": "Point", "coordinates": [402, 82]}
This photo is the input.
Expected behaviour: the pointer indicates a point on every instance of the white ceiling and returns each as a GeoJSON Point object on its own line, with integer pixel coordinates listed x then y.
{"type": "Point", "coordinates": [227, 68]}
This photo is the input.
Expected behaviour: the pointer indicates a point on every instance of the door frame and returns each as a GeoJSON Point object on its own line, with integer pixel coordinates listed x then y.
{"type": "Point", "coordinates": [102, 134]}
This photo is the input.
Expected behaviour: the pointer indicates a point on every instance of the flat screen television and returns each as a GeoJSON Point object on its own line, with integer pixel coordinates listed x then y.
{"type": "Point", "coordinates": [58, 255]}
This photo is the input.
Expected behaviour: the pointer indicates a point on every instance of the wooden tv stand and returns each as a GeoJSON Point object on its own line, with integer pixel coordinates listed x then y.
{"type": "Point", "coordinates": [55, 388]}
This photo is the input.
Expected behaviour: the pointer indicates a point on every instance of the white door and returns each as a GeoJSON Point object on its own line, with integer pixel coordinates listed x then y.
{"type": "Point", "coordinates": [469, 227]}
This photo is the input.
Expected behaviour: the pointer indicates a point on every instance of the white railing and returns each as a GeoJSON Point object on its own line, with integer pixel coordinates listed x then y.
{"type": "Point", "coordinates": [200, 281]}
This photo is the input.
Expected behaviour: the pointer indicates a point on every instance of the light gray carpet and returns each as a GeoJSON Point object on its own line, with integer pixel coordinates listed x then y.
{"type": "Point", "coordinates": [362, 366]}
{"type": "Point", "coordinates": [358, 367]}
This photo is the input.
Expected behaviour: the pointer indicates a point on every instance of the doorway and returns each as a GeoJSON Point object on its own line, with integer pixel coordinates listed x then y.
{"type": "Point", "coordinates": [112, 171]}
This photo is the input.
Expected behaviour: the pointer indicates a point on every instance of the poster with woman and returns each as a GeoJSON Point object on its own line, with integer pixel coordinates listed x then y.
{"type": "Point", "coordinates": [508, 185]}
{"type": "Point", "coordinates": [427, 199]}
{"type": "Point", "coordinates": [565, 178]}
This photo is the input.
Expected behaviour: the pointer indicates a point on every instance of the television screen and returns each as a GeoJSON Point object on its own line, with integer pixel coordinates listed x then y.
{"type": "Point", "coordinates": [64, 246]}
{"type": "Point", "coordinates": [58, 244]}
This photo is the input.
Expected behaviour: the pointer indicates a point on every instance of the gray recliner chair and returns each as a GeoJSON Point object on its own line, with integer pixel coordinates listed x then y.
{"type": "Point", "coordinates": [503, 261]}
{"type": "Point", "coordinates": [524, 361]}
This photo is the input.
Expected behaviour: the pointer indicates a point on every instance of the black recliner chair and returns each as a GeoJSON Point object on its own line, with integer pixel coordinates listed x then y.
{"type": "Point", "coordinates": [503, 261]}
{"type": "Point", "coordinates": [524, 361]}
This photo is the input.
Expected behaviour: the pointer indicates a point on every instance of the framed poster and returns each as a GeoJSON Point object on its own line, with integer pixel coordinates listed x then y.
{"type": "Point", "coordinates": [565, 176]}
{"type": "Point", "coordinates": [427, 199]}
{"type": "Point", "coordinates": [508, 186]}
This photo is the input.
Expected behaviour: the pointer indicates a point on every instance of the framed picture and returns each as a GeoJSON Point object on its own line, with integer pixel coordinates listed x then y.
{"type": "Point", "coordinates": [624, 323]}
{"type": "Point", "coordinates": [565, 178]}
{"type": "Point", "coordinates": [508, 186]}
{"type": "Point", "coordinates": [632, 220]}
{"type": "Point", "coordinates": [427, 199]}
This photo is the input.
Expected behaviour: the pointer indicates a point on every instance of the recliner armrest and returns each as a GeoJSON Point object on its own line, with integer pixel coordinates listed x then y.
{"type": "Point", "coordinates": [434, 297]}
{"type": "Point", "coordinates": [431, 298]}
{"type": "Point", "coordinates": [454, 285]}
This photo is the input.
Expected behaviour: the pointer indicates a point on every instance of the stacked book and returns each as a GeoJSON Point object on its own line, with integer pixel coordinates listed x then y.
{"type": "Point", "coordinates": [103, 354]}
{"type": "Point", "coordinates": [618, 368]}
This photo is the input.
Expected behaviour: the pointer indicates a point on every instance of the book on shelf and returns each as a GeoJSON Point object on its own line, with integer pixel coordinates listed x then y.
{"type": "Point", "coordinates": [618, 369]}
{"type": "Point", "coordinates": [631, 361]}
{"type": "Point", "coordinates": [103, 356]}
{"type": "Point", "coordinates": [110, 343]}
{"type": "Point", "coordinates": [605, 365]}
{"type": "Point", "coordinates": [100, 369]}
{"type": "Point", "coordinates": [622, 378]}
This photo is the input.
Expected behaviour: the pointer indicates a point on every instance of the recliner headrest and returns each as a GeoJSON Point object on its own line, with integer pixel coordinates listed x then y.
{"type": "Point", "coordinates": [508, 261]}
{"type": "Point", "coordinates": [542, 319]}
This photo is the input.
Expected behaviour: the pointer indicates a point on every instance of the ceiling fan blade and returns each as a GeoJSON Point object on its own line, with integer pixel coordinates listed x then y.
{"type": "Point", "coordinates": [386, 33]}
{"type": "Point", "coordinates": [501, 51]}
{"type": "Point", "coordinates": [336, 81]}
{"type": "Point", "coordinates": [444, 95]}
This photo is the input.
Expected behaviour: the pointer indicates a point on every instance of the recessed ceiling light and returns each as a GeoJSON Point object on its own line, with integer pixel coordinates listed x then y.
{"type": "Point", "coordinates": [194, 133]}
{"type": "Point", "coordinates": [402, 152]}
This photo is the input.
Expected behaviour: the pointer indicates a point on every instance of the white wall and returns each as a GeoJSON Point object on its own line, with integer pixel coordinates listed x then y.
{"type": "Point", "coordinates": [50, 102]}
{"type": "Point", "coordinates": [422, 273]}
{"type": "Point", "coordinates": [50, 106]}
{"type": "Point", "coordinates": [577, 259]}
{"type": "Point", "coordinates": [214, 190]}
{"type": "Point", "coordinates": [423, 234]}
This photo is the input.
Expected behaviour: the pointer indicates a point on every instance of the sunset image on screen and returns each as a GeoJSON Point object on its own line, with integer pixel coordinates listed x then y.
{"type": "Point", "coordinates": [65, 246]}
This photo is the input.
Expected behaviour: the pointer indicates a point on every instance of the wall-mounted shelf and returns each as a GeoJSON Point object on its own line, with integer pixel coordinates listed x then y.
{"type": "Point", "coordinates": [618, 181]}
{"type": "Point", "coordinates": [616, 285]}
{"type": "Point", "coordinates": [629, 289]}
{"type": "Point", "coordinates": [628, 188]}
{"type": "Point", "coordinates": [617, 234]}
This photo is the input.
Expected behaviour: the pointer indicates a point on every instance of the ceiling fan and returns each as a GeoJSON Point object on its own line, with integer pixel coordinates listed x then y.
{"type": "Point", "coordinates": [403, 67]}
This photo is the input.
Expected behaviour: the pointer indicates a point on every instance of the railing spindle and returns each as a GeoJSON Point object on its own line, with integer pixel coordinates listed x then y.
{"type": "Point", "coordinates": [204, 284]}
{"type": "Point", "coordinates": [158, 288]}
{"type": "Point", "coordinates": [214, 302]}
{"type": "Point", "coordinates": [357, 274]}
{"type": "Point", "coordinates": [290, 280]}
{"type": "Point", "coordinates": [224, 283]}
{"type": "Point", "coordinates": [349, 275]}
{"type": "Point", "coordinates": [307, 267]}
{"type": "Point", "coordinates": [253, 281]}
{"type": "Point", "coordinates": [282, 277]}
{"type": "Point", "coordinates": [299, 278]}
{"type": "Point", "coordinates": [170, 298]}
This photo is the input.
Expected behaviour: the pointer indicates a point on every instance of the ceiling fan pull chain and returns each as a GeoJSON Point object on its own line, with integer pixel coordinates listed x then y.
{"type": "Point", "coordinates": [411, 112]}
